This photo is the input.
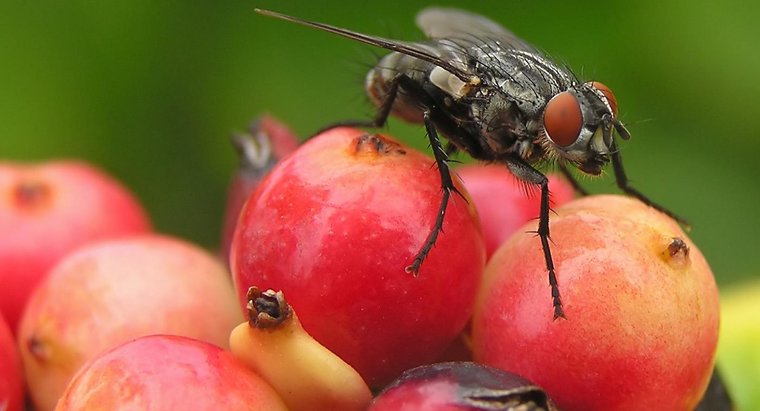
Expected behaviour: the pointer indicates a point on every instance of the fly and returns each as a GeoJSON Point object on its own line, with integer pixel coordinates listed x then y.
{"type": "Point", "coordinates": [500, 100]}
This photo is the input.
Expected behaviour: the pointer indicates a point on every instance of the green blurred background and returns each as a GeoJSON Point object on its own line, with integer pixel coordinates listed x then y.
{"type": "Point", "coordinates": [151, 90]}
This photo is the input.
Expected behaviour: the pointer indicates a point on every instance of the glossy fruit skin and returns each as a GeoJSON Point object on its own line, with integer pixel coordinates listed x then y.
{"type": "Point", "coordinates": [504, 203]}
{"type": "Point", "coordinates": [166, 372]}
{"type": "Point", "coordinates": [461, 386]}
{"type": "Point", "coordinates": [106, 293]}
{"type": "Point", "coordinates": [334, 226]}
{"type": "Point", "coordinates": [47, 210]}
{"type": "Point", "coordinates": [11, 377]}
{"type": "Point", "coordinates": [642, 324]}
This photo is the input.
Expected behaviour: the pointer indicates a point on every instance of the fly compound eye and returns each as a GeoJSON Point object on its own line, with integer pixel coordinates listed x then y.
{"type": "Point", "coordinates": [608, 94]}
{"type": "Point", "coordinates": [563, 119]}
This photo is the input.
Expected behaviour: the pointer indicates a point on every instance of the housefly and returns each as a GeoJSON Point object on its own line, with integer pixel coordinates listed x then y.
{"type": "Point", "coordinates": [497, 98]}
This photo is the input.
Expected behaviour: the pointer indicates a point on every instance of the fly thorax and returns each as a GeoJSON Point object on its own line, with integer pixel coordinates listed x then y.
{"type": "Point", "coordinates": [527, 99]}
{"type": "Point", "coordinates": [502, 124]}
{"type": "Point", "coordinates": [532, 81]}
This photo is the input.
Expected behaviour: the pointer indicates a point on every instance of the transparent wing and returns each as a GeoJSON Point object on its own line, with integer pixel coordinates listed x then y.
{"type": "Point", "coordinates": [464, 27]}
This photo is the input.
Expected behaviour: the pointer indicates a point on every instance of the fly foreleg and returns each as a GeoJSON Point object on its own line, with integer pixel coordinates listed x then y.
{"type": "Point", "coordinates": [447, 186]}
{"type": "Point", "coordinates": [622, 182]}
{"type": "Point", "coordinates": [525, 172]}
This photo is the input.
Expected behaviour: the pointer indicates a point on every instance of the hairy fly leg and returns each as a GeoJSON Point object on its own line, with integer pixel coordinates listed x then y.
{"type": "Point", "coordinates": [572, 180]}
{"type": "Point", "coordinates": [622, 182]}
{"type": "Point", "coordinates": [447, 186]}
{"type": "Point", "coordinates": [439, 153]}
{"type": "Point", "coordinates": [383, 111]}
{"type": "Point", "coordinates": [527, 173]}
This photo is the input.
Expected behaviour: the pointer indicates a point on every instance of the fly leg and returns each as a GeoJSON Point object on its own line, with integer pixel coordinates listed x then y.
{"type": "Point", "coordinates": [526, 172]}
{"type": "Point", "coordinates": [572, 180]}
{"type": "Point", "coordinates": [383, 111]}
{"type": "Point", "coordinates": [447, 186]}
{"type": "Point", "coordinates": [439, 153]}
{"type": "Point", "coordinates": [623, 183]}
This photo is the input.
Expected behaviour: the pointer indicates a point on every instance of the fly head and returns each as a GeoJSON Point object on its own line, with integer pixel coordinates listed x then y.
{"type": "Point", "coordinates": [579, 124]}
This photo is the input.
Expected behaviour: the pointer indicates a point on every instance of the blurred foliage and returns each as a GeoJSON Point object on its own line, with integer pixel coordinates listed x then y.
{"type": "Point", "coordinates": [738, 348]}
{"type": "Point", "coordinates": [151, 91]}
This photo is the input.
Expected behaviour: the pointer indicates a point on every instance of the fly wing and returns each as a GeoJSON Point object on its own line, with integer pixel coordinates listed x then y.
{"type": "Point", "coordinates": [418, 50]}
{"type": "Point", "coordinates": [465, 28]}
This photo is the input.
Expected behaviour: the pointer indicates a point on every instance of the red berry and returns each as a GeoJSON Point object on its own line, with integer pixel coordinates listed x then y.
{"type": "Point", "coordinates": [49, 209]}
{"type": "Point", "coordinates": [106, 293]}
{"type": "Point", "coordinates": [167, 372]}
{"type": "Point", "coordinates": [11, 377]}
{"type": "Point", "coordinates": [641, 305]}
{"type": "Point", "coordinates": [334, 226]}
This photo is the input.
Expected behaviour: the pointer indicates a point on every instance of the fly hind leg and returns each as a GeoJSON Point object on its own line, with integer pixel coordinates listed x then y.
{"type": "Point", "coordinates": [383, 111]}
{"type": "Point", "coordinates": [447, 187]}
{"type": "Point", "coordinates": [439, 153]}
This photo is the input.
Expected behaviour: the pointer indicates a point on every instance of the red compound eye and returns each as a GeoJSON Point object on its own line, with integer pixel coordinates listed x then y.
{"type": "Point", "coordinates": [563, 119]}
{"type": "Point", "coordinates": [607, 93]}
